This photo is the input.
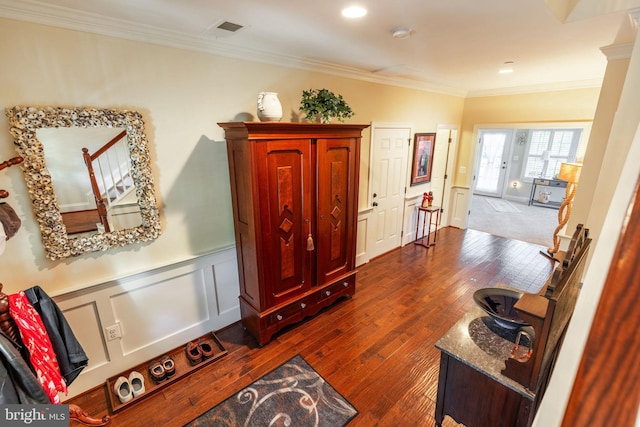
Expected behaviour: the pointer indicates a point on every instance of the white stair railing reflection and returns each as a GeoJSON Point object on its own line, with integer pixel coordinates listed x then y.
{"type": "Point", "coordinates": [110, 174]}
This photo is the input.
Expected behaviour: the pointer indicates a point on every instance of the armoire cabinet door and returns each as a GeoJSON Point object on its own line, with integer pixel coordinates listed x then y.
{"type": "Point", "coordinates": [336, 187]}
{"type": "Point", "coordinates": [284, 171]}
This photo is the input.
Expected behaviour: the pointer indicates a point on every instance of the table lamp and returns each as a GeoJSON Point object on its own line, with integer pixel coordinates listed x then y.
{"type": "Point", "coordinates": [569, 172]}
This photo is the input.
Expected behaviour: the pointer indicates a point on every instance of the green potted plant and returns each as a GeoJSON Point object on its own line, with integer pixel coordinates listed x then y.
{"type": "Point", "coordinates": [322, 105]}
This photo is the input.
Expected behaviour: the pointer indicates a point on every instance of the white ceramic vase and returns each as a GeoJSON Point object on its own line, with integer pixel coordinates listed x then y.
{"type": "Point", "coordinates": [269, 108]}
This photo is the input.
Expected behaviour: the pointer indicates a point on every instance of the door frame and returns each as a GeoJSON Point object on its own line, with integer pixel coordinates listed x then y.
{"type": "Point", "coordinates": [450, 169]}
{"type": "Point", "coordinates": [368, 215]}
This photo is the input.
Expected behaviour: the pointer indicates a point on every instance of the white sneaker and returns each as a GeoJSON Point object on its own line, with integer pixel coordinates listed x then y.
{"type": "Point", "coordinates": [122, 388]}
{"type": "Point", "coordinates": [137, 383]}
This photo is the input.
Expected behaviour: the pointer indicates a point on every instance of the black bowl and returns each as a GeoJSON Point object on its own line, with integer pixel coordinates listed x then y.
{"type": "Point", "coordinates": [498, 303]}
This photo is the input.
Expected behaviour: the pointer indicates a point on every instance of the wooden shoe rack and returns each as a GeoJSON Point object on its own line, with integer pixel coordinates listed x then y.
{"type": "Point", "coordinates": [183, 369]}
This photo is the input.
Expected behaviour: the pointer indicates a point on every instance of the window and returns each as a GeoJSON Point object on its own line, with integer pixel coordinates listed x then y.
{"type": "Point", "coordinates": [547, 149]}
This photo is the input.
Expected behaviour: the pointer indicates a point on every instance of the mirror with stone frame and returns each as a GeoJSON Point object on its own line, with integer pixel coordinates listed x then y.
{"type": "Point", "coordinates": [89, 177]}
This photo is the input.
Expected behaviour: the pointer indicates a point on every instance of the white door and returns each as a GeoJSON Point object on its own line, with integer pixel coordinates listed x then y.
{"type": "Point", "coordinates": [389, 154]}
{"type": "Point", "coordinates": [491, 162]}
{"type": "Point", "coordinates": [443, 160]}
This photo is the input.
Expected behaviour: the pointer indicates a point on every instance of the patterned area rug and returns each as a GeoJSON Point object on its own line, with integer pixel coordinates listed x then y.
{"type": "Point", "coordinates": [293, 394]}
{"type": "Point", "coordinates": [500, 205]}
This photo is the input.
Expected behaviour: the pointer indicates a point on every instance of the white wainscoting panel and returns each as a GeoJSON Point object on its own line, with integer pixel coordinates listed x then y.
{"type": "Point", "coordinates": [225, 276]}
{"type": "Point", "coordinates": [362, 257]}
{"type": "Point", "coordinates": [156, 311]}
{"type": "Point", "coordinates": [89, 335]}
{"type": "Point", "coordinates": [151, 312]}
{"type": "Point", "coordinates": [410, 218]}
{"type": "Point", "coordinates": [459, 206]}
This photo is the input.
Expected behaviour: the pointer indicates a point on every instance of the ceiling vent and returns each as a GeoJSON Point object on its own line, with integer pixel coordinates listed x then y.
{"type": "Point", "coordinates": [229, 26]}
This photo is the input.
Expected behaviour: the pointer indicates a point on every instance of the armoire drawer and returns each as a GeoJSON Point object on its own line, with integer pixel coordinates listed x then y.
{"type": "Point", "coordinates": [293, 312]}
{"type": "Point", "coordinates": [338, 289]}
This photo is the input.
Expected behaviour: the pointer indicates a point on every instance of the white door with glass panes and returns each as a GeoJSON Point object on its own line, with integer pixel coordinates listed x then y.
{"type": "Point", "coordinates": [491, 162]}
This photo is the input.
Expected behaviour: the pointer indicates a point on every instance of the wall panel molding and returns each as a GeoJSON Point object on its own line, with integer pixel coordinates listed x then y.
{"type": "Point", "coordinates": [156, 311]}
{"type": "Point", "coordinates": [362, 246]}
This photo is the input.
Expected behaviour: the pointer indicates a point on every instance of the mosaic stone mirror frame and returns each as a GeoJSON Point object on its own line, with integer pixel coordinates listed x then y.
{"type": "Point", "coordinates": [24, 121]}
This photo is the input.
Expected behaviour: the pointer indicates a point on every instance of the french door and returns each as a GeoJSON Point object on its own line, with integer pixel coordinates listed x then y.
{"type": "Point", "coordinates": [491, 162]}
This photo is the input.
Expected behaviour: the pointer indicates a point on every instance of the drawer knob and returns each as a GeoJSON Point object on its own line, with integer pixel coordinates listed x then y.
{"type": "Point", "coordinates": [303, 305]}
{"type": "Point", "coordinates": [328, 293]}
{"type": "Point", "coordinates": [279, 317]}
{"type": "Point", "coordinates": [345, 284]}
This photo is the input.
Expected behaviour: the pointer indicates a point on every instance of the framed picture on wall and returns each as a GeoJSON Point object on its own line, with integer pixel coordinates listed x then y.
{"type": "Point", "coordinates": [423, 146]}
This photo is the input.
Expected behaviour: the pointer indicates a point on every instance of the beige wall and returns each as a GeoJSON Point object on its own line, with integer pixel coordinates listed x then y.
{"type": "Point", "coordinates": [560, 106]}
{"type": "Point", "coordinates": [182, 95]}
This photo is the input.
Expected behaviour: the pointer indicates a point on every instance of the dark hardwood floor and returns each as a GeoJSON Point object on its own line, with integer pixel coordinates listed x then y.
{"type": "Point", "coordinates": [376, 349]}
{"type": "Point", "coordinates": [81, 221]}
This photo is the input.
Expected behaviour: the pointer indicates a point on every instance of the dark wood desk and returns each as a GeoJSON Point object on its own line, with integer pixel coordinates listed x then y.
{"type": "Point", "coordinates": [427, 221]}
{"type": "Point", "coordinates": [471, 388]}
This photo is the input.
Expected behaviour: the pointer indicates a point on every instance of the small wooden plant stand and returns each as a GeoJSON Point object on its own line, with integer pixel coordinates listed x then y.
{"type": "Point", "coordinates": [183, 369]}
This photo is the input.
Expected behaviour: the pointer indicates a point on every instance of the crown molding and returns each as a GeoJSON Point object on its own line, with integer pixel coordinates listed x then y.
{"type": "Point", "coordinates": [617, 51]}
{"type": "Point", "coordinates": [547, 87]}
{"type": "Point", "coordinates": [61, 17]}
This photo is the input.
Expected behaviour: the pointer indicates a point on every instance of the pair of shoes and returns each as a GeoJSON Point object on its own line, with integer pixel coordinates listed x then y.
{"type": "Point", "coordinates": [197, 351]}
{"type": "Point", "coordinates": [128, 388]}
{"type": "Point", "coordinates": [162, 369]}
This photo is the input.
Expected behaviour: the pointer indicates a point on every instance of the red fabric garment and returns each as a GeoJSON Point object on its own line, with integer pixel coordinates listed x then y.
{"type": "Point", "coordinates": [36, 340]}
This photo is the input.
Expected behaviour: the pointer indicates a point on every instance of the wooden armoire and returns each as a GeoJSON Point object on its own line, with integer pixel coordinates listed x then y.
{"type": "Point", "coordinates": [294, 189]}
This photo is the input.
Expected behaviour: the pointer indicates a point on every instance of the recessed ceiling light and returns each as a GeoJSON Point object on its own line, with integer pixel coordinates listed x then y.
{"type": "Point", "coordinates": [354, 12]}
{"type": "Point", "coordinates": [508, 68]}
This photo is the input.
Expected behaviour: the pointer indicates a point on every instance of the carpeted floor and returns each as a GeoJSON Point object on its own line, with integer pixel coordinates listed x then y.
{"type": "Point", "coordinates": [293, 394]}
{"type": "Point", "coordinates": [533, 224]}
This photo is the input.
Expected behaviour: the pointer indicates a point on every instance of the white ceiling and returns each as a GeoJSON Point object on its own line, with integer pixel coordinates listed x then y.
{"type": "Point", "coordinates": [457, 46]}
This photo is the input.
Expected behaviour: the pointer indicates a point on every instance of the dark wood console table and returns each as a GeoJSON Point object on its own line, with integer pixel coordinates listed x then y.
{"type": "Point", "coordinates": [471, 388]}
{"type": "Point", "coordinates": [427, 221]}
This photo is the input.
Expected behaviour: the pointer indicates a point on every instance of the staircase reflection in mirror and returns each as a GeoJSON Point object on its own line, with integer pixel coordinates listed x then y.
{"type": "Point", "coordinates": [91, 174]}
{"type": "Point", "coordinates": [63, 148]}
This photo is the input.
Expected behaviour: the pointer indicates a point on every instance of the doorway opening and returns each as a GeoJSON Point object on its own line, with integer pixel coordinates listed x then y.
{"type": "Point", "coordinates": [506, 162]}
